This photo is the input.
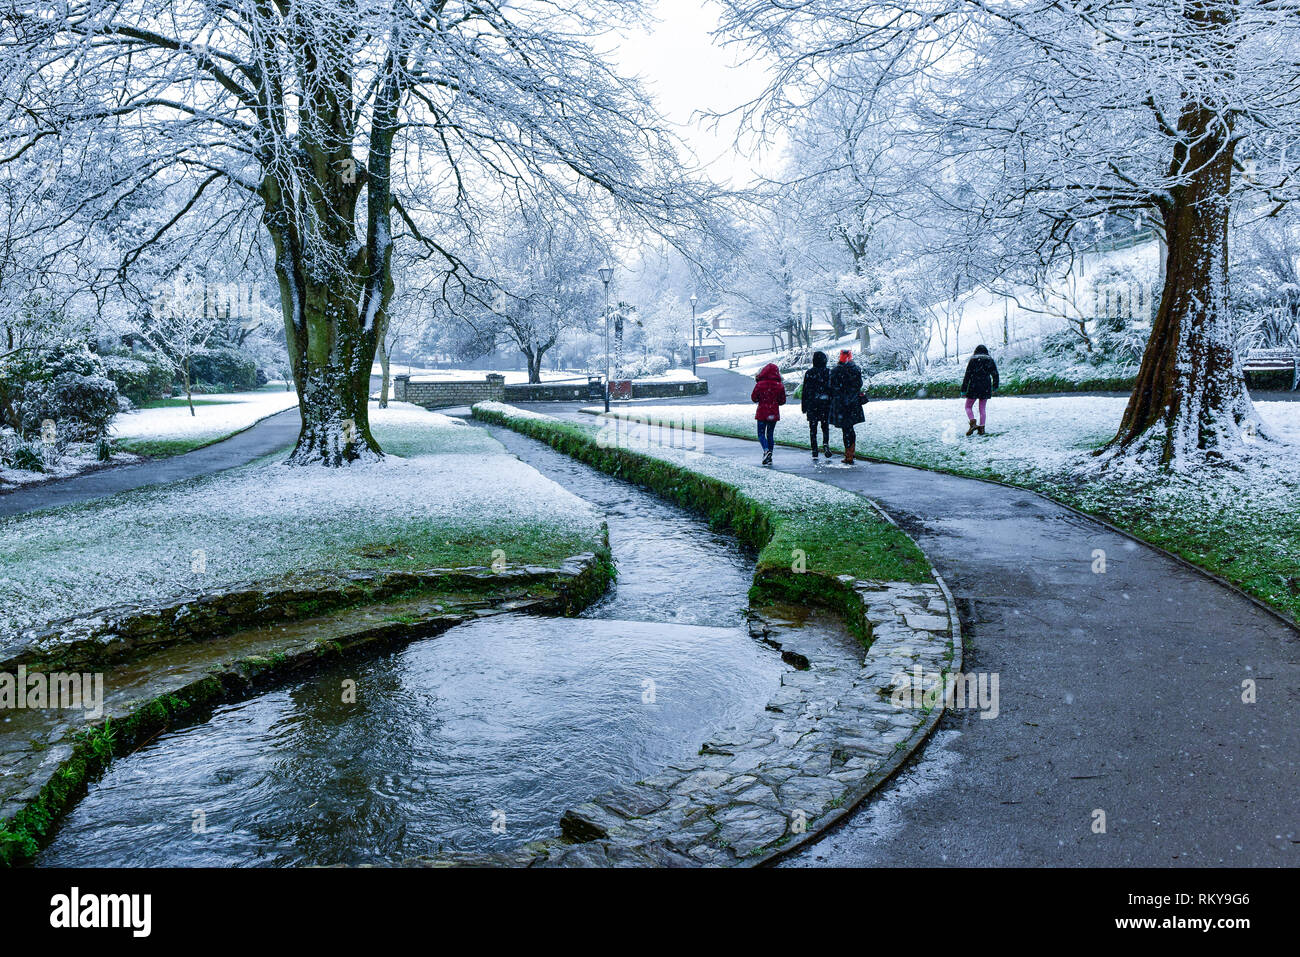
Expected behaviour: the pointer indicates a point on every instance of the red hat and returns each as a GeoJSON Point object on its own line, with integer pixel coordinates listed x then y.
{"type": "Point", "coordinates": [845, 355]}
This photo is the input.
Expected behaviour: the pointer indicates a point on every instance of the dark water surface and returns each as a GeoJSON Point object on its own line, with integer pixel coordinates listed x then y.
{"type": "Point", "coordinates": [476, 740]}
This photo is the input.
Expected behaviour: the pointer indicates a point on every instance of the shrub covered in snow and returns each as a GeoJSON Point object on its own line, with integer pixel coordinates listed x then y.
{"type": "Point", "coordinates": [27, 375]}
{"type": "Point", "coordinates": [223, 370]}
{"type": "Point", "coordinates": [139, 377]}
{"type": "Point", "coordinates": [642, 367]}
{"type": "Point", "coordinates": [81, 406]}
{"type": "Point", "coordinates": [20, 454]}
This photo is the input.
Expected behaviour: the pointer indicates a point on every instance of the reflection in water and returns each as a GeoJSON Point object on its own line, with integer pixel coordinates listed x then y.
{"type": "Point", "coordinates": [505, 721]}
{"type": "Point", "coordinates": [476, 740]}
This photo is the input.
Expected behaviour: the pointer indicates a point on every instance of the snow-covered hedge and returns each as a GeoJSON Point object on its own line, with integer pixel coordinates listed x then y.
{"type": "Point", "coordinates": [139, 377]}
{"type": "Point", "coordinates": [1035, 376]}
{"type": "Point", "coordinates": [80, 407]}
{"type": "Point", "coordinates": [643, 367]}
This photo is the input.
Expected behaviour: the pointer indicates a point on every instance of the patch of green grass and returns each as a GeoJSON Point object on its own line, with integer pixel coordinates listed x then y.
{"type": "Point", "coordinates": [422, 544]}
{"type": "Point", "coordinates": [165, 448]}
{"type": "Point", "coordinates": [849, 540]}
{"type": "Point", "coordinates": [180, 403]}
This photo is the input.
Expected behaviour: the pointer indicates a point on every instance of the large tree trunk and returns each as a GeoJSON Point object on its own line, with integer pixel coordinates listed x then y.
{"type": "Point", "coordinates": [331, 348]}
{"type": "Point", "coordinates": [384, 379]}
{"type": "Point", "coordinates": [533, 357]}
{"type": "Point", "coordinates": [1190, 402]}
{"type": "Point", "coordinates": [334, 292]}
{"type": "Point", "coordinates": [333, 380]}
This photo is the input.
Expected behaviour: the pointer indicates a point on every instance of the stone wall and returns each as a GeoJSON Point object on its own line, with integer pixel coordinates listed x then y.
{"type": "Point", "coordinates": [577, 391]}
{"type": "Point", "coordinates": [548, 392]}
{"type": "Point", "coordinates": [666, 390]}
{"type": "Point", "coordinates": [447, 393]}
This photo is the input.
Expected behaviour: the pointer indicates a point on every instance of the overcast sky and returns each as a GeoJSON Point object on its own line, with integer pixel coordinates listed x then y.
{"type": "Point", "coordinates": [686, 72]}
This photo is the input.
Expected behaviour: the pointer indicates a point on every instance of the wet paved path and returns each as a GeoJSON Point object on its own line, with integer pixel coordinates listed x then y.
{"type": "Point", "coordinates": [1119, 692]}
{"type": "Point", "coordinates": [273, 433]}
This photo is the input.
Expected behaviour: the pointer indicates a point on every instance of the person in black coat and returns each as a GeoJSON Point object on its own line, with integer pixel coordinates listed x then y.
{"type": "Point", "coordinates": [815, 402]}
{"type": "Point", "coordinates": [846, 401]}
{"type": "Point", "coordinates": [980, 382]}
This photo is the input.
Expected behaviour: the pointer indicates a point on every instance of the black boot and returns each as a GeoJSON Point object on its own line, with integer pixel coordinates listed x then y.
{"type": "Point", "coordinates": [980, 429]}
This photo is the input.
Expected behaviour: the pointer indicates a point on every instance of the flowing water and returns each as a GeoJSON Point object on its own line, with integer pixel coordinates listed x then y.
{"type": "Point", "coordinates": [476, 740]}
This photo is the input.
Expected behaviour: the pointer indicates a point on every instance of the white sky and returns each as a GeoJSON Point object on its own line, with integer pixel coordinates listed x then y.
{"type": "Point", "coordinates": [685, 71]}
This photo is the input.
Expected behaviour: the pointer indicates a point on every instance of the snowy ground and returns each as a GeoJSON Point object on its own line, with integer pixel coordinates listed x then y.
{"type": "Point", "coordinates": [512, 376]}
{"type": "Point", "coordinates": [521, 377]}
{"type": "Point", "coordinates": [78, 458]}
{"type": "Point", "coordinates": [235, 412]}
{"type": "Point", "coordinates": [454, 498]}
{"type": "Point", "coordinates": [1250, 512]}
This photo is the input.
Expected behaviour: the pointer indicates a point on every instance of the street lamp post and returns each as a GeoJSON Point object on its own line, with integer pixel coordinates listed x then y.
{"type": "Point", "coordinates": [695, 333]}
{"type": "Point", "coordinates": [606, 273]}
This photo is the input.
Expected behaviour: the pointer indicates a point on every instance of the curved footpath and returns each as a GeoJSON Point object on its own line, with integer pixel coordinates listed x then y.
{"type": "Point", "coordinates": [1119, 692]}
{"type": "Point", "coordinates": [269, 435]}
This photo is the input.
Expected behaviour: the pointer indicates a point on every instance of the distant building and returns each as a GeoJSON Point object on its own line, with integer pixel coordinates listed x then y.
{"type": "Point", "coordinates": [724, 331]}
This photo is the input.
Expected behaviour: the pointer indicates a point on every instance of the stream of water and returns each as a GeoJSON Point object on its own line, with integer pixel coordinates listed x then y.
{"type": "Point", "coordinates": [476, 740]}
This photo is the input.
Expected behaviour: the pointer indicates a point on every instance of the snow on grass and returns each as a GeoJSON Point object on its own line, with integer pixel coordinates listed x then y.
{"type": "Point", "coordinates": [79, 457]}
{"type": "Point", "coordinates": [1046, 433]}
{"type": "Point", "coordinates": [456, 497]}
{"type": "Point", "coordinates": [837, 531]}
{"type": "Point", "coordinates": [1241, 522]}
{"type": "Point", "coordinates": [514, 377]}
{"type": "Point", "coordinates": [228, 413]}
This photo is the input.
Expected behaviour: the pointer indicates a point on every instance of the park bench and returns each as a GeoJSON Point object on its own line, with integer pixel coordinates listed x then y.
{"type": "Point", "coordinates": [1285, 359]}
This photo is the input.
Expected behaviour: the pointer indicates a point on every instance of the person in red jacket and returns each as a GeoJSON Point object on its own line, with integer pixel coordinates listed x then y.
{"type": "Point", "coordinates": [769, 393]}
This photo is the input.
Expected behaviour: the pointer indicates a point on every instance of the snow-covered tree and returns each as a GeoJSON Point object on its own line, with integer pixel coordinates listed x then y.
{"type": "Point", "coordinates": [540, 283]}
{"type": "Point", "coordinates": [1046, 114]}
{"type": "Point", "coordinates": [181, 320]}
{"type": "Point", "coordinates": [345, 127]}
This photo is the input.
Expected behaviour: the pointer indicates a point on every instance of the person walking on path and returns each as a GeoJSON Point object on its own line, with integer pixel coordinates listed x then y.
{"type": "Point", "coordinates": [815, 403]}
{"type": "Point", "coordinates": [846, 402]}
{"type": "Point", "coordinates": [769, 393]}
{"type": "Point", "coordinates": [980, 382]}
